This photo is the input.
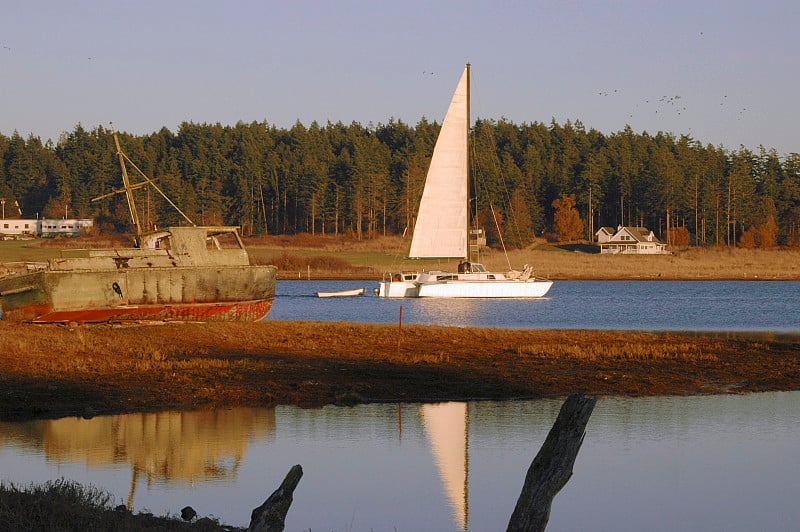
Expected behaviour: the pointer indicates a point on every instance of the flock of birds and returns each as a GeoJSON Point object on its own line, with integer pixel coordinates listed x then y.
{"type": "Point", "coordinates": [669, 103]}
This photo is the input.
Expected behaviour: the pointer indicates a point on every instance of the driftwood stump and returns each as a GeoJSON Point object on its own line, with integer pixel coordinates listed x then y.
{"type": "Point", "coordinates": [552, 467]}
{"type": "Point", "coordinates": [271, 516]}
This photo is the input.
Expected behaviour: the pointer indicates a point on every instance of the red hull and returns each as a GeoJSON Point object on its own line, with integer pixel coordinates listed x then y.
{"type": "Point", "coordinates": [228, 311]}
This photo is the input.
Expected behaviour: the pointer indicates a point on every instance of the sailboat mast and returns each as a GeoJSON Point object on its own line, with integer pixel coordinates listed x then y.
{"type": "Point", "coordinates": [466, 251]}
{"type": "Point", "coordinates": [129, 193]}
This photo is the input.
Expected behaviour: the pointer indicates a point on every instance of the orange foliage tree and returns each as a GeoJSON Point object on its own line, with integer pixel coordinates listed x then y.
{"type": "Point", "coordinates": [567, 222]}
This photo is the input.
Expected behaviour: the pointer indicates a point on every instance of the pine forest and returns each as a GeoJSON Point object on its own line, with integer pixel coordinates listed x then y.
{"type": "Point", "coordinates": [560, 181]}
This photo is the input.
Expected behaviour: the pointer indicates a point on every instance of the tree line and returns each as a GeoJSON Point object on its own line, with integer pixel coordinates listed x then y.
{"type": "Point", "coordinates": [367, 180]}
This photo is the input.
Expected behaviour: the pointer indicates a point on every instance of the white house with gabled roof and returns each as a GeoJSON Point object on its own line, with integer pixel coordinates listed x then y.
{"type": "Point", "coordinates": [630, 240]}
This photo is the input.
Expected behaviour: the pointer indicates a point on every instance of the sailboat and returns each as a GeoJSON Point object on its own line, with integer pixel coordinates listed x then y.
{"type": "Point", "coordinates": [442, 229]}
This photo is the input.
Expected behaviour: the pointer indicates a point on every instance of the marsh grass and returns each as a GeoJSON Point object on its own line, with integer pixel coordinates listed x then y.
{"type": "Point", "coordinates": [52, 371]}
{"type": "Point", "coordinates": [66, 505]}
{"type": "Point", "coordinates": [620, 351]}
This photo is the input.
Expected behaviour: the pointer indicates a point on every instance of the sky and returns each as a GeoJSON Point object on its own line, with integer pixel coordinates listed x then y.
{"type": "Point", "coordinates": [726, 73]}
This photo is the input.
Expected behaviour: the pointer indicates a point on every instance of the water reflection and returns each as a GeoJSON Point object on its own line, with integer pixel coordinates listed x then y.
{"type": "Point", "coordinates": [447, 427]}
{"type": "Point", "coordinates": [176, 447]}
{"type": "Point", "coordinates": [450, 466]}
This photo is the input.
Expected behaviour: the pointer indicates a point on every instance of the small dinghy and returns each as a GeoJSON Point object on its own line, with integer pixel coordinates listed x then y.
{"type": "Point", "coordinates": [342, 293]}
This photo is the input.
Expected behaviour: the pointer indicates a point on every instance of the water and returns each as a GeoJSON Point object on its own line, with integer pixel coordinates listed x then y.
{"type": "Point", "coordinates": [670, 463]}
{"type": "Point", "coordinates": [640, 305]}
{"type": "Point", "coordinates": [700, 463]}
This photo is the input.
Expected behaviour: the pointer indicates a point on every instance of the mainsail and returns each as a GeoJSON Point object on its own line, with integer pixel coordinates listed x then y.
{"type": "Point", "coordinates": [441, 227]}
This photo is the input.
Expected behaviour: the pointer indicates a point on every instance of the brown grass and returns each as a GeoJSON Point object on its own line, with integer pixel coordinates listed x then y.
{"type": "Point", "coordinates": [558, 262]}
{"type": "Point", "coordinates": [340, 256]}
{"type": "Point", "coordinates": [51, 371]}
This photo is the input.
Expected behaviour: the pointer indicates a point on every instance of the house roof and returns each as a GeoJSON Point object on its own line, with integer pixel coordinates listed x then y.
{"type": "Point", "coordinates": [638, 234]}
{"type": "Point", "coordinates": [642, 234]}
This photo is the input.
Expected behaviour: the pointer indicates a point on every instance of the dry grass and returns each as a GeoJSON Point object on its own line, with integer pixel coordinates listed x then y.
{"type": "Point", "coordinates": [572, 261]}
{"type": "Point", "coordinates": [51, 371]}
{"type": "Point", "coordinates": [332, 256]}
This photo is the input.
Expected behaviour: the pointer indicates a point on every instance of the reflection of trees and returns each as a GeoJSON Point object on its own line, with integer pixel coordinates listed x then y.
{"type": "Point", "coordinates": [172, 446]}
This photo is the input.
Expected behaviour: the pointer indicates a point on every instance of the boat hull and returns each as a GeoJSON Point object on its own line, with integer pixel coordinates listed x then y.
{"type": "Point", "coordinates": [342, 293]}
{"type": "Point", "coordinates": [505, 289]}
{"type": "Point", "coordinates": [499, 289]}
{"type": "Point", "coordinates": [218, 293]}
{"type": "Point", "coordinates": [398, 289]}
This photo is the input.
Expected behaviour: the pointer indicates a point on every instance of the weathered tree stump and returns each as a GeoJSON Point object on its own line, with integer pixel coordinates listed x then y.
{"type": "Point", "coordinates": [271, 516]}
{"type": "Point", "coordinates": [552, 467]}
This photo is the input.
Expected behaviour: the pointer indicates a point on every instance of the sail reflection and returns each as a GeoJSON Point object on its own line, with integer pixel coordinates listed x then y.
{"type": "Point", "coordinates": [447, 428]}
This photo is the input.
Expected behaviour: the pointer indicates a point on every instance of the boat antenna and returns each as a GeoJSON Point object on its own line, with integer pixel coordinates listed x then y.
{"type": "Point", "coordinates": [128, 189]}
{"type": "Point", "coordinates": [137, 226]}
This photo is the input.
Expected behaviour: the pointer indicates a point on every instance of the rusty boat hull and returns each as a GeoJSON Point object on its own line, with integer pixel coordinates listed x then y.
{"type": "Point", "coordinates": [233, 293]}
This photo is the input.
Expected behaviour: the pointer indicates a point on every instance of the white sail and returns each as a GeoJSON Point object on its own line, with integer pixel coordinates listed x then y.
{"type": "Point", "coordinates": [441, 227]}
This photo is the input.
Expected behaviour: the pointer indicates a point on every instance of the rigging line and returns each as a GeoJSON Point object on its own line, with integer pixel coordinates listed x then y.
{"type": "Point", "coordinates": [491, 206]}
{"type": "Point", "coordinates": [500, 234]}
{"type": "Point", "coordinates": [150, 182]}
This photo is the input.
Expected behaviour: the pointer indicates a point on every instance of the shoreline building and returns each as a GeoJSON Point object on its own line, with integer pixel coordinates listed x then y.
{"type": "Point", "coordinates": [630, 241]}
{"type": "Point", "coordinates": [20, 228]}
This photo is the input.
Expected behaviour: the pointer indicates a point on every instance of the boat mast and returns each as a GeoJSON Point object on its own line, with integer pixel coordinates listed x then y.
{"type": "Point", "coordinates": [466, 251]}
{"type": "Point", "coordinates": [129, 193]}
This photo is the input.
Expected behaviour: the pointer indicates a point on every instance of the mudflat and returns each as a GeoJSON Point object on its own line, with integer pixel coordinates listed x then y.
{"type": "Point", "coordinates": [52, 371]}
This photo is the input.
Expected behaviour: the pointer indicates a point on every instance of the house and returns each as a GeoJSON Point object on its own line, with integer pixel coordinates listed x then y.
{"type": "Point", "coordinates": [629, 240]}
{"type": "Point", "coordinates": [604, 234]}
{"type": "Point", "coordinates": [63, 227]}
{"type": "Point", "coordinates": [29, 228]}
{"type": "Point", "coordinates": [16, 228]}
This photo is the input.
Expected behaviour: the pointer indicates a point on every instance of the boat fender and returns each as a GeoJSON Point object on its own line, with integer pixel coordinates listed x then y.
{"type": "Point", "coordinates": [117, 289]}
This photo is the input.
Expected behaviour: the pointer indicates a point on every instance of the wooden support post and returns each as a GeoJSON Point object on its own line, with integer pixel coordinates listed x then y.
{"type": "Point", "coordinates": [271, 516]}
{"type": "Point", "coordinates": [552, 467]}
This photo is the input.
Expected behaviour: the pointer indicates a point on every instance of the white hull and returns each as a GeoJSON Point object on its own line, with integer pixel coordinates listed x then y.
{"type": "Point", "coordinates": [397, 289]}
{"type": "Point", "coordinates": [342, 293]}
{"type": "Point", "coordinates": [489, 289]}
{"type": "Point", "coordinates": [452, 285]}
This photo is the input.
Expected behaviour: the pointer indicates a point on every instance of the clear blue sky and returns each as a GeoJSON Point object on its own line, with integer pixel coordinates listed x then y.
{"type": "Point", "coordinates": [143, 65]}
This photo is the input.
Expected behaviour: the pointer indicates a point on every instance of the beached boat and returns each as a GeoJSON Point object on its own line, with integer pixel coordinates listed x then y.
{"type": "Point", "coordinates": [342, 293]}
{"type": "Point", "coordinates": [442, 228]}
{"type": "Point", "coordinates": [184, 273]}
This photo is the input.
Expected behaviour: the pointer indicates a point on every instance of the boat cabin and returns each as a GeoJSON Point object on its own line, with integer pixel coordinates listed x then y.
{"type": "Point", "coordinates": [471, 267]}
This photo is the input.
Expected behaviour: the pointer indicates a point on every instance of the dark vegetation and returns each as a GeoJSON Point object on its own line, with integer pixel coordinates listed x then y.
{"type": "Point", "coordinates": [366, 181]}
{"type": "Point", "coordinates": [67, 505]}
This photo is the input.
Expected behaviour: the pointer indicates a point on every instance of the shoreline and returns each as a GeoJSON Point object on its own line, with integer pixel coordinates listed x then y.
{"type": "Point", "coordinates": [55, 371]}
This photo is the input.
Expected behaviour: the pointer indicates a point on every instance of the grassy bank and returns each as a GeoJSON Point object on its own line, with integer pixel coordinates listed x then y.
{"type": "Point", "coordinates": [53, 371]}
{"type": "Point", "coordinates": [318, 257]}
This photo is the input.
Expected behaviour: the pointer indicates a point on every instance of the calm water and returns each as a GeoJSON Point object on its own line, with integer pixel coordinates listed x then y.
{"type": "Point", "coordinates": [648, 305]}
{"type": "Point", "coordinates": [702, 463]}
